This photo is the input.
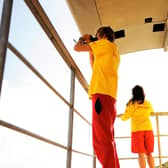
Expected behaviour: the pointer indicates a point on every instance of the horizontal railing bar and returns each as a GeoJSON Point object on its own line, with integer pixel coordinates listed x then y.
{"type": "Point", "coordinates": [128, 158]}
{"type": "Point", "coordinates": [36, 136]}
{"type": "Point", "coordinates": [82, 117]}
{"type": "Point", "coordinates": [153, 115]}
{"type": "Point", "coordinates": [162, 135]}
{"type": "Point", "coordinates": [156, 114]}
{"type": "Point", "coordinates": [122, 137]}
{"type": "Point", "coordinates": [128, 137]}
{"type": "Point", "coordinates": [82, 153]}
{"type": "Point", "coordinates": [160, 114]}
{"type": "Point", "coordinates": [50, 31]}
{"type": "Point", "coordinates": [131, 158]}
{"type": "Point", "coordinates": [30, 66]}
{"type": "Point", "coordinates": [26, 132]}
{"type": "Point", "coordinates": [26, 62]}
{"type": "Point", "coordinates": [31, 134]}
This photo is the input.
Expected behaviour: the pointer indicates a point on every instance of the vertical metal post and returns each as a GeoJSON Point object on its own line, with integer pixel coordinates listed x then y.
{"type": "Point", "coordinates": [4, 32]}
{"type": "Point", "coordinates": [94, 160]}
{"type": "Point", "coordinates": [70, 129]}
{"type": "Point", "coordinates": [165, 44]}
{"type": "Point", "coordinates": [158, 138]}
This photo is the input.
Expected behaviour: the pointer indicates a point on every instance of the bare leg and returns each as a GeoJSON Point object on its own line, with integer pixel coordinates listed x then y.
{"type": "Point", "coordinates": [150, 160]}
{"type": "Point", "coordinates": [142, 161]}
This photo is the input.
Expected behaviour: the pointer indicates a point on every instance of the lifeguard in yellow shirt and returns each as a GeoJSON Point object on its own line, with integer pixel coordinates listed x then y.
{"type": "Point", "coordinates": [105, 59]}
{"type": "Point", "coordinates": [142, 138]}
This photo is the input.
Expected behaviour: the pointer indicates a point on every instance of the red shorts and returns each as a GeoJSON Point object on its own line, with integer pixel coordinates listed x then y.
{"type": "Point", "coordinates": [142, 142]}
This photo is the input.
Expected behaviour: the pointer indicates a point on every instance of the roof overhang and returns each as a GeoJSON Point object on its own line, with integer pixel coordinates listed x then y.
{"type": "Point", "coordinates": [129, 16]}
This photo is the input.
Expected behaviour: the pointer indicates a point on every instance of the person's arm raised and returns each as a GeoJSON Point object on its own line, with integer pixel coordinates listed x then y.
{"type": "Point", "coordinates": [82, 44]}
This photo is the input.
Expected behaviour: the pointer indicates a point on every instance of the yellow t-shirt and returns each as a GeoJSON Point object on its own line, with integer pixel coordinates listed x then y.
{"type": "Point", "coordinates": [104, 78]}
{"type": "Point", "coordinates": [140, 116]}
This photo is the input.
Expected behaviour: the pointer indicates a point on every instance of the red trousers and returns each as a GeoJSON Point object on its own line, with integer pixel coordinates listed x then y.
{"type": "Point", "coordinates": [103, 117]}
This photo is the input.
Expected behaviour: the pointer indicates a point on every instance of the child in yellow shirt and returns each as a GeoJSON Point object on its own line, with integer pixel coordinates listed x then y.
{"type": "Point", "coordinates": [142, 138]}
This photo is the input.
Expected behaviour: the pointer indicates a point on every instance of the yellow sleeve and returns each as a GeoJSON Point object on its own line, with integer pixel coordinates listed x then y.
{"type": "Point", "coordinates": [127, 113]}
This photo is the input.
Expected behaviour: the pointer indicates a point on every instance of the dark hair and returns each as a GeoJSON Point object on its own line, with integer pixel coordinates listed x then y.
{"type": "Point", "coordinates": [107, 32]}
{"type": "Point", "coordinates": [93, 38]}
{"type": "Point", "coordinates": [137, 94]}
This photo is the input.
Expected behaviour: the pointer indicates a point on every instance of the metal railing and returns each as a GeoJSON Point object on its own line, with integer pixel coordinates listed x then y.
{"type": "Point", "coordinates": [70, 149]}
{"type": "Point", "coordinates": [157, 135]}
{"type": "Point", "coordinates": [48, 28]}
